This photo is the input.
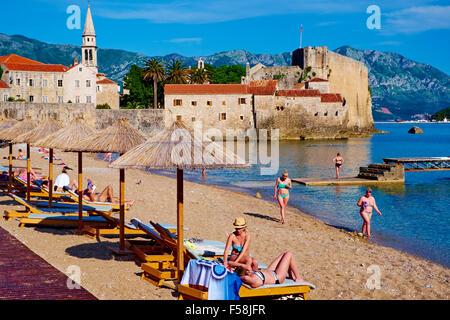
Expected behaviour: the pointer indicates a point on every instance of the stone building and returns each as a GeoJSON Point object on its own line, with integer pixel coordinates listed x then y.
{"type": "Point", "coordinates": [37, 82]}
{"type": "Point", "coordinates": [329, 71]}
{"type": "Point", "coordinates": [299, 113]}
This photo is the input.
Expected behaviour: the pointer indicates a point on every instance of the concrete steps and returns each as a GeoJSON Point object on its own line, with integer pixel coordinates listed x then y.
{"type": "Point", "coordinates": [382, 172]}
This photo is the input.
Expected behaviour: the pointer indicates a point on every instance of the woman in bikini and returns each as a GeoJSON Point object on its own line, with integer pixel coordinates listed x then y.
{"type": "Point", "coordinates": [282, 267]}
{"type": "Point", "coordinates": [106, 195]}
{"type": "Point", "coordinates": [366, 204]}
{"type": "Point", "coordinates": [239, 242]}
{"type": "Point", "coordinates": [281, 193]}
{"type": "Point", "coordinates": [338, 162]}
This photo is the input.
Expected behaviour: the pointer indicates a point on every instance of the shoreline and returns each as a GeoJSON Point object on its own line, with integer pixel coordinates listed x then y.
{"type": "Point", "coordinates": [335, 261]}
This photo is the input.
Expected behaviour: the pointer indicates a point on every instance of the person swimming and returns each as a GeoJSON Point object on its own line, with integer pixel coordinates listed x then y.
{"type": "Point", "coordinates": [281, 193]}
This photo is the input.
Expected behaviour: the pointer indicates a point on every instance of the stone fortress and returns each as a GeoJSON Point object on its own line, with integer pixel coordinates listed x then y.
{"type": "Point", "coordinates": [322, 95]}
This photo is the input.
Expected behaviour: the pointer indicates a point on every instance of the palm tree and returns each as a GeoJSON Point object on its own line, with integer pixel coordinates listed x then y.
{"type": "Point", "coordinates": [155, 70]}
{"type": "Point", "coordinates": [176, 72]}
{"type": "Point", "coordinates": [199, 76]}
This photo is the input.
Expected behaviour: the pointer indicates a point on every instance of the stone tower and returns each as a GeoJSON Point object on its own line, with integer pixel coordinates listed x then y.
{"type": "Point", "coordinates": [89, 47]}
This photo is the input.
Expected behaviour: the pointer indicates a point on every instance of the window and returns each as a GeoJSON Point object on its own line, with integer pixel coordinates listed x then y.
{"type": "Point", "coordinates": [209, 103]}
{"type": "Point", "coordinates": [337, 113]}
{"type": "Point", "coordinates": [31, 82]}
{"type": "Point", "coordinates": [80, 69]}
{"type": "Point", "coordinates": [242, 101]}
{"type": "Point", "coordinates": [44, 99]}
{"type": "Point", "coordinates": [88, 99]}
{"type": "Point", "coordinates": [5, 97]}
{"type": "Point", "coordinates": [223, 116]}
{"type": "Point", "coordinates": [18, 82]}
{"type": "Point", "coordinates": [60, 99]}
{"type": "Point", "coordinates": [77, 83]}
{"type": "Point", "coordinates": [194, 103]}
{"type": "Point", "coordinates": [325, 114]}
{"type": "Point", "coordinates": [44, 83]}
{"type": "Point", "coordinates": [178, 117]}
{"type": "Point", "coordinates": [60, 83]}
{"type": "Point", "coordinates": [193, 119]}
{"type": "Point", "coordinates": [31, 98]}
{"type": "Point", "coordinates": [241, 117]}
{"type": "Point", "coordinates": [224, 103]}
{"type": "Point", "coordinates": [88, 83]}
{"type": "Point", "coordinates": [99, 88]}
{"type": "Point", "coordinates": [77, 99]}
{"type": "Point", "coordinates": [177, 102]}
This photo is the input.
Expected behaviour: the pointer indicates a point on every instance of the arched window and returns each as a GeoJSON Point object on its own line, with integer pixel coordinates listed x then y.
{"type": "Point", "coordinates": [85, 55]}
{"type": "Point", "coordinates": [90, 55]}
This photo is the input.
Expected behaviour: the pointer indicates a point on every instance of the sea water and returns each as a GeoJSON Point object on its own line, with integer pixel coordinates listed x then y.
{"type": "Point", "coordinates": [415, 215]}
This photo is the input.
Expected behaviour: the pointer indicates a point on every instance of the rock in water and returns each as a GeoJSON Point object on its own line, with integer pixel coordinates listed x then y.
{"type": "Point", "coordinates": [415, 130]}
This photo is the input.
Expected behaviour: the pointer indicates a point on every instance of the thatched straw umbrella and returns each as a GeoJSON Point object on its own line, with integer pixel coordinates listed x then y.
{"type": "Point", "coordinates": [118, 138]}
{"type": "Point", "coordinates": [31, 137]}
{"type": "Point", "coordinates": [12, 132]}
{"type": "Point", "coordinates": [5, 125]}
{"type": "Point", "coordinates": [176, 147]}
{"type": "Point", "coordinates": [67, 139]}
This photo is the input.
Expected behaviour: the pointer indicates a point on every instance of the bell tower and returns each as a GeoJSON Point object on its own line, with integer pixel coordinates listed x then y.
{"type": "Point", "coordinates": [89, 47]}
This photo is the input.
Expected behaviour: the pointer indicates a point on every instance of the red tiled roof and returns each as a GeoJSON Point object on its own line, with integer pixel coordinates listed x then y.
{"type": "Point", "coordinates": [14, 58]}
{"type": "Point", "coordinates": [299, 93]}
{"type": "Point", "coordinates": [36, 67]}
{"type": "Point", "coordinates": [299, 85]}
{"type": "Point", "coordinates": [263, 87]}
{"type": "Point", "coordinates": [101, 74]}
{"type": "Point", "coordinates": [205, 89]}
{"type": "Point", "coordinates": [317, 80]}
{"type": "Point", "coordinates": [3, 85]}
{"type": "Point", "coordinates": [330, 97]}
{"type": "Point", "coordinates": [106, 81]}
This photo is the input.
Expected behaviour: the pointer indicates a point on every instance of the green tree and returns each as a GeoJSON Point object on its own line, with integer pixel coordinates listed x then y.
{"type": "Point", "coordinates": [199, 76]}
{"type": "Point", "coordinates": [440, 115]}
{"type": "Point", "coordinates": [305, 75]}
{"type": "Point", "coordinates": [140, 93]}
{"type": "Point", "coordinates": [176, 72]}
{"type": "Point", "coordinates": [1, 72]}
{"type": "Point", "coordinates": [227, 74]}
{"type": "Point", "coordinates": [154, 70]}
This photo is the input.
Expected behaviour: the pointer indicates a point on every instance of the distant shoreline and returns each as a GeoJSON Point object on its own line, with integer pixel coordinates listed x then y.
{"type": "Point", "coordinates": [411, 122]}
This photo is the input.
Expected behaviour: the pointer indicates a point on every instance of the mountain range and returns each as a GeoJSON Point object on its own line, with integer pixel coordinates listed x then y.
{"type": "Point", "coordinates": [401, 88]}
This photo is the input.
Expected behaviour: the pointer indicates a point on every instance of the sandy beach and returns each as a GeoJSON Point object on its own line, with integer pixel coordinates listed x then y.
{"type": "Point", "coordinates": [335, 261]}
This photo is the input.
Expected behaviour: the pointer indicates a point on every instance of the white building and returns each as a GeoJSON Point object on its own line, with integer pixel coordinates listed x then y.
{"type": "Point", "coordinates": [37, 82]}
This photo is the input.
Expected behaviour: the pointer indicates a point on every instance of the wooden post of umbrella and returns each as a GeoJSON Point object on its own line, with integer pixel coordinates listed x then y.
{"type": "Point", "coordinates": [180, 241]}
{"type": "Point", "coordinates": [28, 173]}
{"type": "Point", "coordinates": [122, 211]}
{"type": "Point", "coordinates": [10, 168]}
{"type": "Point", "coordinates": [50, 178]}
{"type": "Point", "coordinates": [80, 192]}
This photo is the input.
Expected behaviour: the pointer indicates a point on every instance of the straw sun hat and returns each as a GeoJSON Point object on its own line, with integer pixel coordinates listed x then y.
{"type": "Point", "coordinates": [239, 223]}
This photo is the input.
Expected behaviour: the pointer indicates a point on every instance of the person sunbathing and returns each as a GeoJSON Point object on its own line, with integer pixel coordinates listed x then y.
{"type": "Point", "coordinates": [106, 195]}
{"type": "Point", "coordinates": [21, 156]}
{"type": "Point", "coordinates": [282, 267]}
{"type": "Point", "coordinates": [239, 242]}
{"type": "Point", "coordinates": [36, 180]}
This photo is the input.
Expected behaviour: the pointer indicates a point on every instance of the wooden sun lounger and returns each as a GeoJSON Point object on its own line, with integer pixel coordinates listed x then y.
{"type": "Point", "coordinates": [58, 207]}
{"type": "Point", "coordinates": [153, 248]}
{"type": "Point", "coordinates": [66, 221]}
{"type": "Point", "coordinates": [288, 287]}
{"type": "Point", "coordinates": [157, 275]}
{"type": "Point", "coordinates": [74, 197]}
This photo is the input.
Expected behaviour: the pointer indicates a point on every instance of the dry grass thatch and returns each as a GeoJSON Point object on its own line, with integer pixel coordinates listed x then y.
{"type": "Point", "coordinates": [5, 124]}
{"type": "Point", "coordinates": [19, 128]}
{"type": "Point", "coordinates": [118, 138]}
{"type": "Point", "coordinates": [178, 147]}
{"type": "Point", "coordinates": [43, 130]}
{"type": "Point", "coordinates": [68, 138]}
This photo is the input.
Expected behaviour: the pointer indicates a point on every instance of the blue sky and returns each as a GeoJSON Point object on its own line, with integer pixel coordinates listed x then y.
{"type": "Point", "coordinates": [417, 29]}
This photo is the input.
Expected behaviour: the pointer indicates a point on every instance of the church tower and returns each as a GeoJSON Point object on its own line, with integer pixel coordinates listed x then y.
{"type": "Point", "coordinates": [89, 47]}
